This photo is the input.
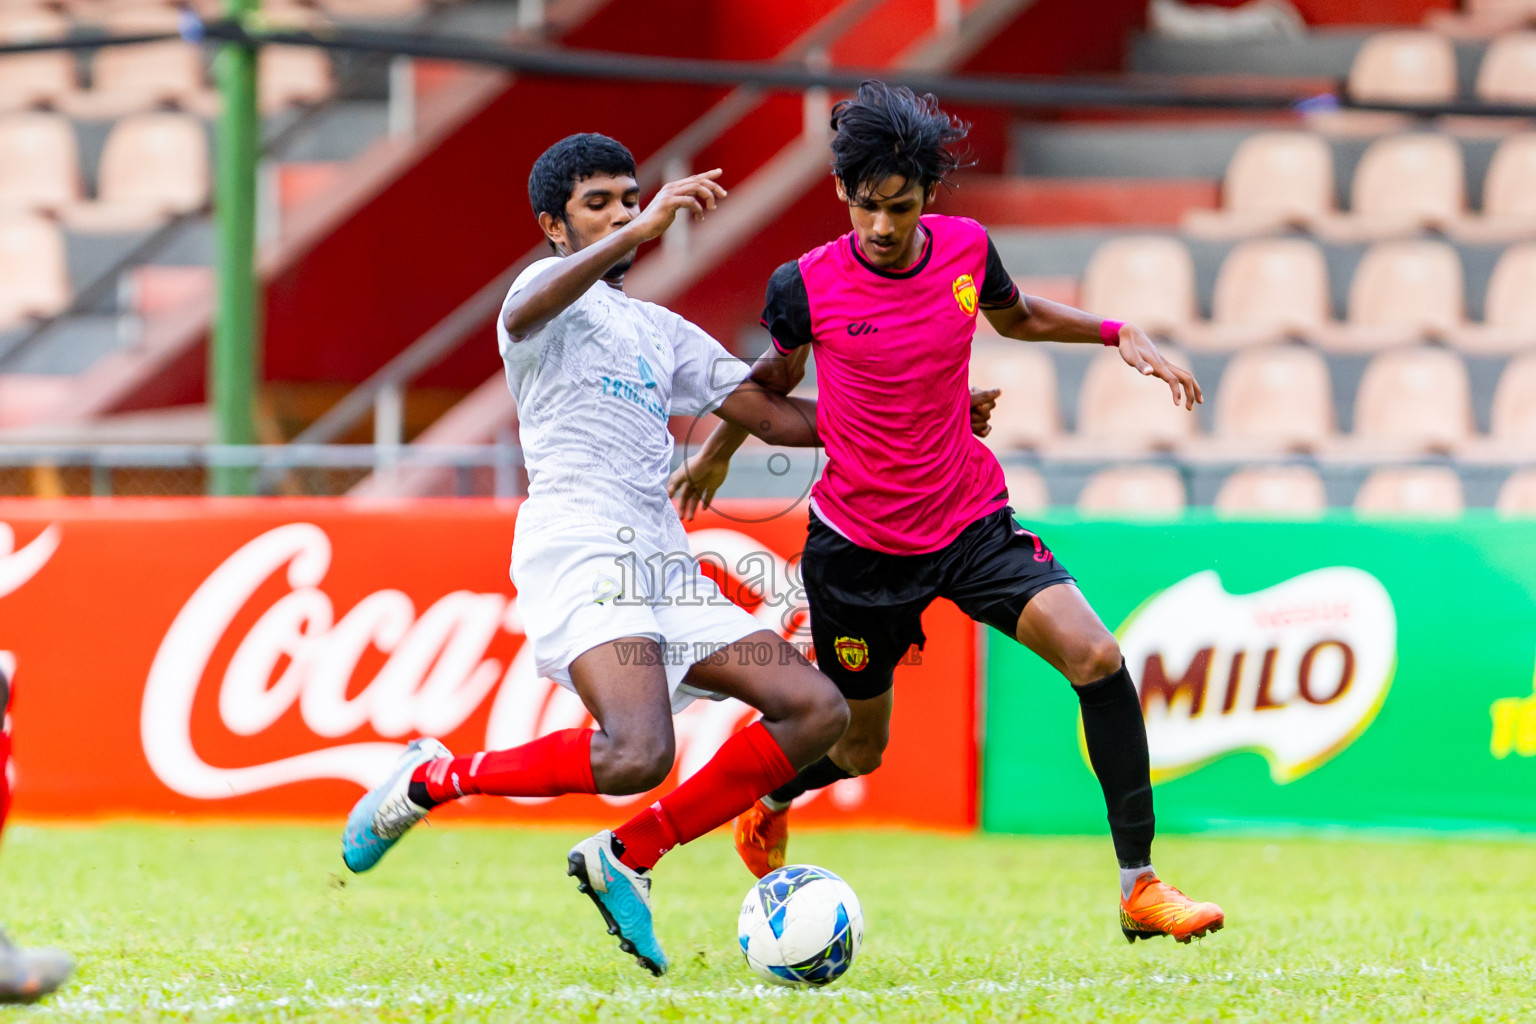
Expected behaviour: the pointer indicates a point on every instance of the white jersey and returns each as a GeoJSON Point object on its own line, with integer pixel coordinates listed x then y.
{"type": "Point", "coordinates": [594, 388]}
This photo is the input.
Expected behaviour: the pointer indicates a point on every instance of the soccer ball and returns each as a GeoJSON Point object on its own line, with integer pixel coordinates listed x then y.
{"type": "Point", "coordinates": [800, 925]}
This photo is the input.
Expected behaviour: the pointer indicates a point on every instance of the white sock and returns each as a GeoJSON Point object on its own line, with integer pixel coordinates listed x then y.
{"type": "Point", "coordinates": [1128, 878]}
{"type": "Point", "coordinates": [775, 805]}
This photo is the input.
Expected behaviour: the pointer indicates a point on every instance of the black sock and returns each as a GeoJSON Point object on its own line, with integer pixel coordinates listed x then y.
{"type": "Point", "coordinates": [417, 794]}
{"type": "Point", "coordinates": [1117, 748]}
{"type": "Point", "coordinates": [812, 776]}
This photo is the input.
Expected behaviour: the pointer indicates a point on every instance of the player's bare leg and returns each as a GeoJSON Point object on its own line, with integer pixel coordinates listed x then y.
{"type": "Point", "coordinates": [26, 975]}
{"type": "Point", "coordinates": [1059, 625]}
{"type": "Point", "coordinates": [802, 713]}
{"type": "Point", "coordinates": [762, 831]}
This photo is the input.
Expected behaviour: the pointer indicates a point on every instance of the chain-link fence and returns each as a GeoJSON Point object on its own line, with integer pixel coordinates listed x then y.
{"type": "Point", "coordinates": [56, 471]}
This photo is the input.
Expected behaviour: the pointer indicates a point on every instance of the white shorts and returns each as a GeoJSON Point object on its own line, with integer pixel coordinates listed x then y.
{"type": "Point", "coordinates": [581, 587]}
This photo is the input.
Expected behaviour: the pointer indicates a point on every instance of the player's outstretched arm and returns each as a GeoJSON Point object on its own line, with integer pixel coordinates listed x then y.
{"type": "Point", "coordinates": [1035, 319]}
{"type": "Point", "coordinates": [695, 482]}
{"type": "Point", "coordinates": [777, 419]}
{"type": "Point", "coordinates": [552, 291]}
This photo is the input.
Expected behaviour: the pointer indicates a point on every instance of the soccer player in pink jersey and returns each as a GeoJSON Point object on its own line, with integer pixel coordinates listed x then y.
{"type": "Point", "coordinates": [911, 506]}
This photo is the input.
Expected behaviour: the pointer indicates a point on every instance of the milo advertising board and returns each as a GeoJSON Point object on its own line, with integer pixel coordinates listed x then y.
{"type": "Point", "coordinates": [1320, 673]}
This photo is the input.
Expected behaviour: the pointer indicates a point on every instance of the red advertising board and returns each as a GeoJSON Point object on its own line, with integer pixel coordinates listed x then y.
{"type": "Point", "coordinates": [269, 657]}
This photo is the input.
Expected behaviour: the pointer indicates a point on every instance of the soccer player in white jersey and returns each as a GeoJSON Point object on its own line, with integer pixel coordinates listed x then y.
{"type": "Point", "coordinates": [613, 605]}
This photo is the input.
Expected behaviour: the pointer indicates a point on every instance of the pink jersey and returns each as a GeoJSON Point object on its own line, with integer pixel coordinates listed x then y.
{"type": "Point", "coordinates": [904, 473]}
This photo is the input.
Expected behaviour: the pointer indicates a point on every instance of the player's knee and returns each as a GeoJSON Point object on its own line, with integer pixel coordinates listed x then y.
{"type": "Point", "coordinates": [638, 765]}
{"type": "Point", "coordinates": [1100, 657]}
{"type": "Point", "coordinates": [827, 713]}
{"type": "Point", "coordinates": [859, 755]}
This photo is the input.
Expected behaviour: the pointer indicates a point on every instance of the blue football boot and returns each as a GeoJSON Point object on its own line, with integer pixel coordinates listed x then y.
{"type": "Point", "coordinates": [386, 812]}
{"type": "Point", "coordinates": [622, 895]}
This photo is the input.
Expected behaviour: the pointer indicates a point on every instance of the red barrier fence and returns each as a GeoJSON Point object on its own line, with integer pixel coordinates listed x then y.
{"type": "Point", "coordinates": [267, 657]}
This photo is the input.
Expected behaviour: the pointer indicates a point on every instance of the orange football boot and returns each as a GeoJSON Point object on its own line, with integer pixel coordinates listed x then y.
{"type": "Point", "coordinates": [762, 838]}
{"type": "Point", "coordinates": [1157, 908]}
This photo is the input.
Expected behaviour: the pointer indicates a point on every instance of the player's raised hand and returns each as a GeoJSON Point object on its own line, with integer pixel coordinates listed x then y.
{"type": "Point", "coordinates": [696, 194]}
{"type": "Point", "coordinates": [1139, 352]}
{"type": "Point", "coordinates": [982, 404]}
{"type": "Point", "coordinates": [694, 483]}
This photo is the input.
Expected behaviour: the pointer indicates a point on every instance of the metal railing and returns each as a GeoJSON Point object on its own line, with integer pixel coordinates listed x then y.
{"type": "Point", "coordinates": [306, 470]}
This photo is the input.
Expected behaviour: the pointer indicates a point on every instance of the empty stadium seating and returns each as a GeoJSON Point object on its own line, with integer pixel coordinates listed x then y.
{"type": "Point", "coordinates": [30, 79]}
{"type": "Point", "coordinates": [1147, 280]}
{"type": "Point", "coordinates": [1119, 410]}
{"type": "Point", "coordinates": [33, 278]}
{"type": "Point", "coordinates": [1507, 73]}
{"type": "Point", "coordinates": [1267, 288]}
{"type": "Point", "coordinates": [1274, 399]}
{"type": "Point", "coordinates": [1027, 413]}
{"type": "Point", "coordinates": [1276, 179]}
{"type": "Point", "coordinates": [1133, 491]}
{"type": "Point", "coordinates": [1414, 400]}
{"type": "Point", "coordinates": [1410, 491]}
{"type": "Point", "coordinates": [1272, 491]}
{"type": "Point", "coordinates": [1027, 491]}
{"type": "Point", "coordinates": [1404, 183]}
{"type": "Point", "coordinates": [1517, 496]}
{"type": "Point", "coordinates": [1402, 291]}
{"type": "Point", "coordinates": [1512, 426]}
{"type": "Point", "coordinates": [39, 163]}
{"type": "Point", "coordinates": [152, 167]}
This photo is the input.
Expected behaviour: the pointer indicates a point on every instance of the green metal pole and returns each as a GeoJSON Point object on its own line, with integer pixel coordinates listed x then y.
{"type": "Point", "coordinates": [234, 357]}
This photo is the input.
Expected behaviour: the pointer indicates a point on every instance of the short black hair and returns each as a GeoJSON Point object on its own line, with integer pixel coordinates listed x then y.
{"type": "Point", "coordinates": [573, 159]}
{"type": "Point", "coordinates": [889, 130]}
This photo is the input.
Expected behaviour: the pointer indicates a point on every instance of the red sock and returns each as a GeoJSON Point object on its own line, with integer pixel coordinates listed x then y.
{"type": "Point", "coordinates": [747, 766]}
{"type": "Point", "coordinates": [548, 766]}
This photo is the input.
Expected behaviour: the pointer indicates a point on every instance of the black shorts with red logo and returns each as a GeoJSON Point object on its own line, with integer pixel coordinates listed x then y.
{"type": "Point", "coordinates": [867, 606]}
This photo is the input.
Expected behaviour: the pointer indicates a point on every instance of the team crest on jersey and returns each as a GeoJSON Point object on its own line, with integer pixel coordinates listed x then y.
{"type": "Point", "coordinates": [965, 294]}
{"type": "Point", "coordinates": [852, 653]}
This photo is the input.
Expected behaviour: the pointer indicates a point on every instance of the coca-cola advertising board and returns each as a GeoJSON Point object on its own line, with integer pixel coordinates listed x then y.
{"type": "Point", "coordinates": [1368, 673]}
{"type": "Point", "coordinates": [228, 657]}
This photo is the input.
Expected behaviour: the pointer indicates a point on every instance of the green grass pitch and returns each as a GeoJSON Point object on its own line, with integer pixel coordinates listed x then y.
{"type": "Point", "coordinates": [239, 923]}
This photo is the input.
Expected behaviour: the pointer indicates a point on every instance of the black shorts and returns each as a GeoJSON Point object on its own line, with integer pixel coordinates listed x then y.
{"type": "Point", "coordinates": [867, 606]}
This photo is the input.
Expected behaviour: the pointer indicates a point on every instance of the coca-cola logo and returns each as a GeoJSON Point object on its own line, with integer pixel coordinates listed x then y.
{"type": "Point", "coordinates": [19, 566]}
{"type": "Point", "coordinates": [1295, 672]}
{"type": "Point", "coordinates": [304, 653]}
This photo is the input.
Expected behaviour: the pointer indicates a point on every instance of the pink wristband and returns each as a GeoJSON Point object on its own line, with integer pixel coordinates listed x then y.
{"type": "Point", "coordinates": [1109, 330]}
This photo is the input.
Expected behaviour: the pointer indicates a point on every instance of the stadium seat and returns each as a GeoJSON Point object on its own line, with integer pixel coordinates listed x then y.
{"type": "Point", "coordinates": [1413, 400]}
{"type": "Point", "coordinates": [1148, 280]}
{"type": "Point", "coordinates": [1121, 411]}
{"type": "Point", "coordinates": [1517, 497]}
{"type": "Point", "coordinates": [1267, 288]}
{"type": "Point", "coordinates": [1404, 67]}
{"type": "Point", "coordinates": [153, 166]}
{"type": "Point", "coordinates": [34, 281]}
{"type": "Point", "coordinates": [129, 79]}
{"type": "Point", "coordinates": [34, 79]}
{"type": "Point", "coordinates": [39, 163]}
{"type": "Point", "coordinates": [1026, 415]}
{"type": "Point", "coordinates": [1509, 194]}
{"type": "Point", "coordinates": [1027, 490]}
{"type": "Point", "coordinates": [1404, 183]}
{"type": "Point", "coordinates": [293, 76]}
{"type": "Point", "coordinates": [1508, 71]}
{"type": "Point", "coordinates": [1402, 291]}
{"type": "Point", "coordinates": [1410, 491]}
{"type": "Point", "coordinates": [1509, 306]}
{"type": "Point", "coordinates": [1276, 179]}
{"type": "Point", "coordinates": [1512, 427]}
{"type": "Point", "coordinates": [1133, 490]}
{"type": "Point", "coordinates": [1280, 491]}
{"type": "Point", "coordinates": [1276, 398]}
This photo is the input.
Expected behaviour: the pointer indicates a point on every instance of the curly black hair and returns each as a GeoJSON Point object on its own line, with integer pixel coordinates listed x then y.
{"type": "Point", "coordinates": [573, 159]}
{"type": "Point", "coordinates": [890, 130]}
